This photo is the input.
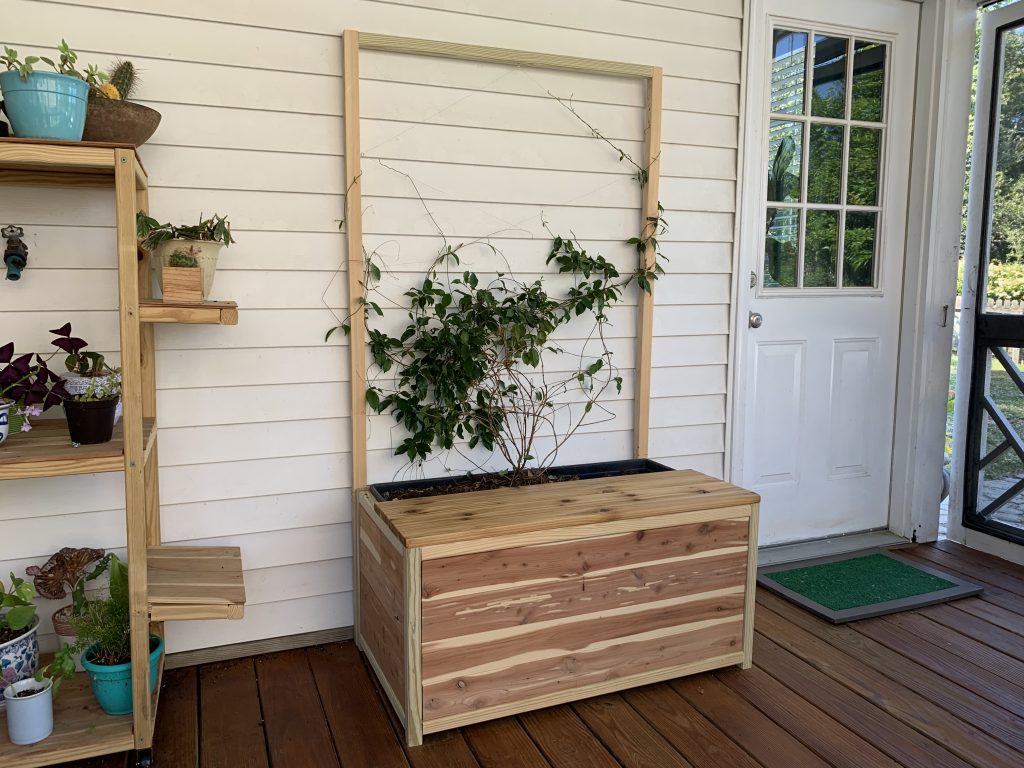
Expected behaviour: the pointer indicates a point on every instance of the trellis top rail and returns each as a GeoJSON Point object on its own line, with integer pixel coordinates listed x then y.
{"type": "Point", "coordinates": [369, 41]}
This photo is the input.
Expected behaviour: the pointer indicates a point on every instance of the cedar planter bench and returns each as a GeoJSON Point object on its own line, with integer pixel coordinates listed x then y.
{"type": "Point", "coordinates": [480, 605]}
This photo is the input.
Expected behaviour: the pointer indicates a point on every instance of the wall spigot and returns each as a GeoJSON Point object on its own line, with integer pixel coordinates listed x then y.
{"type": "Point", "coordinates": [15, 251]}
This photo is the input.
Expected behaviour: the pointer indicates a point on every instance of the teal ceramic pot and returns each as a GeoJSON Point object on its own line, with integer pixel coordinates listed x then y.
{"type": "Point", "coordinates": [45, 105]}
{"type": "Point", "coordinates": [112, 684]}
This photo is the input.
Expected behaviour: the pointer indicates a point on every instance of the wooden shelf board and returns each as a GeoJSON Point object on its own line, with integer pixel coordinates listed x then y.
{"type": "Point", "coordinates": [208, 312]}
{"type": "Point", "coordinates": [47, 451]}
{"type": "Point", "coordinates": [195, 583]}
{"type": "Point", "coordinates": [62, 163]}
{"type": "Point", "coordinates": [80, 730]}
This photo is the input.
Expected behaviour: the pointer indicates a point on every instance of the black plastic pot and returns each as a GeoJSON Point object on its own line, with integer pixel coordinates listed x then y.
{"type": "Point", "coordinates": [90, 421]}
{"type": "Point", "coordinates": [597, 469]}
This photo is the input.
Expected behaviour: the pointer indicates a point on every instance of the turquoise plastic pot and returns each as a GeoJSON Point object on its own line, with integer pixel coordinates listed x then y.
{"type": "Point", "coordinates": [112, 684]}
{"type": "Point", "coordinates": [45, 105]}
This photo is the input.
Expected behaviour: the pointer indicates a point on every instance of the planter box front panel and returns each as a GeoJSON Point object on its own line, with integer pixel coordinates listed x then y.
{"type": "Point", "coordinates": [511, 625]}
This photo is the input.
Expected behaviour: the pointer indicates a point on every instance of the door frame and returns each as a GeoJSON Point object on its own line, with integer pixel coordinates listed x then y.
{"type": "Point", "coordinates": [939, 143]}
{"type": "Point", "coordinates": [965, 360]}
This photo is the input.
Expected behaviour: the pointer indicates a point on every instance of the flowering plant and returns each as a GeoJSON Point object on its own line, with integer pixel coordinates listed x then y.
{"type": "Point", "coordinates": [77, 361]}
{"type": "Point", "coordinates": [30, 384]}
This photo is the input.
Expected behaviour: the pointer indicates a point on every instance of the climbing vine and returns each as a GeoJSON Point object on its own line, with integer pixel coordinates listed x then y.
{"type": "Point", "coordinates": [470, 367]}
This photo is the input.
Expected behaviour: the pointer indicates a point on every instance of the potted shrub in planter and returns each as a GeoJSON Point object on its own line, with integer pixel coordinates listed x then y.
{"type": "Point", "coordinates": [203, 241]}
{"type": "Point", "coordinates": [112, 116]}
{"type": "Point", "coordinates": [91, 415]}
{"type": "Point", "coordinates": [104, 640]}
{"type": "Point", "coordinates": [504, 591]}
{"type": "Point", "coordinates": [29, 706]}
{"type": "Point", "coordinates": [182, 278]}
{"type": "Point", "coordinates": [47, 105]}
{"type": "Point", "coordinates": [65, 573]}
{"type": "Point", "coordinates": [27, 388]}
{"type": "Point", "coordinates": [19, 645]}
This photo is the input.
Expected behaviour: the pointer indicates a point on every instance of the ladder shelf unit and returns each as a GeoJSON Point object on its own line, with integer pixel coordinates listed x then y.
{"type": "Point", "coordinates": [166, 583]}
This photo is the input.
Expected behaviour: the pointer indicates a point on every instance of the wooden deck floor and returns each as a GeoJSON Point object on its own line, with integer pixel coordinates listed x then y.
{"type": "Point", "coordinates": [942, 687]}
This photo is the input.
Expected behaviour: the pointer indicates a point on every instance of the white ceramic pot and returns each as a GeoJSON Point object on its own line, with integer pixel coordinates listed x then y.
{"type": "Point", "coordinates": [76, 384]}
{"type": "Point", "coordinates": [205, 253]}
{"type": "Point", "coordinates": [5, 418]}
{"type": "Point", "coordinates": [29, 718]}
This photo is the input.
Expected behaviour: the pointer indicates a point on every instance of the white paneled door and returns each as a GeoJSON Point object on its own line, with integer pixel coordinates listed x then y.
{"type": "Point", "coordinates": [827, 174]}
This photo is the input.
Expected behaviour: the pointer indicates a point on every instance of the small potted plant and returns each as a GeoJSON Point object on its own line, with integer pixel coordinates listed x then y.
{"type": "Point", "coordinates": [27, 388]}
{"type": "Point", "coordinates": [112, 116]}
{"type": "Point", "coordinates": [19, 645]}
{"type": "Point", "coordinates": [205, 238]}
{"type": "Point", "coordinates": [104, 640]}
{"type": "Point", "coordinates": [90, 415]}
{"type": "Point", "coordinates": [66, 573]}
{"type": "Point", "coordinates": [47, 105]}
{"type": "Point", "coordinates": [182, 278]}
{"type": "Point", "coordinates": [29, 706]}
{"type": "Point", "coordinates": [83, 368]}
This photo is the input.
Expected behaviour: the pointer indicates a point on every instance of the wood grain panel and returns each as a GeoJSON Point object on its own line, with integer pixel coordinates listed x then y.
{"type": "Point", "coordinates": [571, 596]}
{"type": "Point", "coordinates": [585, 664]}
{"type": "Point", "coordinates": [382, 605]}
{"type": "Point", "coordinates": [535, 564]}
{"type": "Point", "coordinates": [490, 652]}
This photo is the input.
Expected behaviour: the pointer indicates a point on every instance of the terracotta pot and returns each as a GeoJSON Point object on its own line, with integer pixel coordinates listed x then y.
{"type": "Point", "coordinates": [120, 122]}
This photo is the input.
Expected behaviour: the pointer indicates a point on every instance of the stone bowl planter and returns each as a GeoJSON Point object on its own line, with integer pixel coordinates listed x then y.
{"type": "Point", "coordinates": [119, 122]}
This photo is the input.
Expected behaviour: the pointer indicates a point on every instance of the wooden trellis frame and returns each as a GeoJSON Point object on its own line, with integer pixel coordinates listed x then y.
{"type": "Point", "coordinates": [353, 41]}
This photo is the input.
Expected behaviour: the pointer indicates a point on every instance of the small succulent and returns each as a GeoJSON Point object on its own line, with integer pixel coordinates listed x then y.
{"type": "Point", "coordinates": [64, 65]}
{"type": "Point", "coordinates": [183, 258]}
{"type": "Point", "coordinates": [108, 91]}
{"type": "Point", "coordinates": [125, 77]}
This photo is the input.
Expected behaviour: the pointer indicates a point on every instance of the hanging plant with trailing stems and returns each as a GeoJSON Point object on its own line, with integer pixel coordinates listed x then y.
{"type": "Point", "coordinates": [468, 369]}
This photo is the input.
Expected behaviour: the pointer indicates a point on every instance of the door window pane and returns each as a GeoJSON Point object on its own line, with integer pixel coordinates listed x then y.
{"type": "Point", "coordinates": [867, 99]}
{"type": "Point", "coordinates": [822, 249]}
{"type": "Point", "coordinates": [789, 51]}
{"type": "Point", "coordinates": [781, 247]}
{"type": "Point", "coordinates": [825, 163]}
{"type": "Point", "coordinates": [785, 154]}
{"type": "Point", "coordinates": [859, 249]}
{"type": "Point", "coordinates": [828, 94]}
{"type": "Point", "coordinates": [862, 170]}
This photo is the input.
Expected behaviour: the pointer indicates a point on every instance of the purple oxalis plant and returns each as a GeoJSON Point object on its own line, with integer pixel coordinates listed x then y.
{"type": "Point", "coordinates": [29, 383]}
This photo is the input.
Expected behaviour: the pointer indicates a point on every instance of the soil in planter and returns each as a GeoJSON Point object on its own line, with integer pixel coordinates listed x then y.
{"type": "Point", "coordinates": [477, 483]}
{"type": "Point", "coordinates": [6, 634]}
{"type": "Point", "coordinates": [28, 692]}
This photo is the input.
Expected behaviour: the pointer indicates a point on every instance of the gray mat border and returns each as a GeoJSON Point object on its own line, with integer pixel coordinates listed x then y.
{"type": "Point", "coordinates": [962, 588]}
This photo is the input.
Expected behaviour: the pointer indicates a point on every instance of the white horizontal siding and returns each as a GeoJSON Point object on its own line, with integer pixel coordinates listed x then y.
{"type": "Point", "coordinates": [255, 426]}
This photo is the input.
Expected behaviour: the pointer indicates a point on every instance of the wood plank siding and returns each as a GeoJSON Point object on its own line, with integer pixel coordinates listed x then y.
{"type": "Point", "coordinates": [254, 418]}
{"type": "Point", "coordinates": [941, 687]}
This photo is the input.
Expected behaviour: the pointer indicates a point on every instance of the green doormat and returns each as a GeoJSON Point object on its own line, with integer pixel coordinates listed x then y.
{"type": "Point", "coordinates": [860, 585]}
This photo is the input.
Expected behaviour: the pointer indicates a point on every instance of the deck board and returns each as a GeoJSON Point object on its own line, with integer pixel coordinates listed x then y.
{"type": "Point", "coordinates": [940, 687]}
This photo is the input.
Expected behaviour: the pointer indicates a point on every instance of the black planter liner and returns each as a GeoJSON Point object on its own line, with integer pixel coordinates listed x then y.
{"type": "Point", "coordinates": [592, 471]}
{"type": "Point", "coordinates": [90, 421]}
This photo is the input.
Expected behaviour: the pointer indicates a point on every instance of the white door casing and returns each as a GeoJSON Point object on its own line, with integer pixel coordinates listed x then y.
{"type": "Point", "coordinates": [816, 394]}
